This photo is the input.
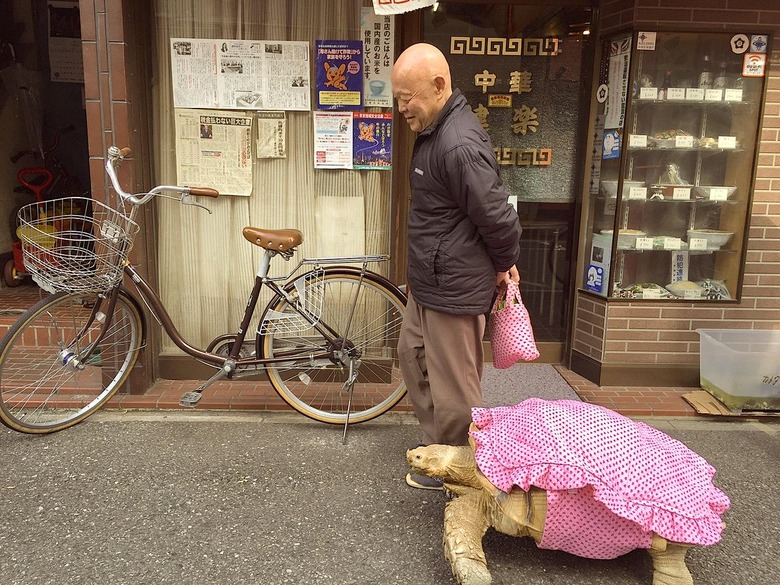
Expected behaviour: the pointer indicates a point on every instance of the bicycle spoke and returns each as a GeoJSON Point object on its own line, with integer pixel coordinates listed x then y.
{"type": "Point", "coordinates": [57, 365]}
{"type": "Point", "coordinates": [315, 386]}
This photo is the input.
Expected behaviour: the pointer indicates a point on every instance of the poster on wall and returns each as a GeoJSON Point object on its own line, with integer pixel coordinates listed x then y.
{"type": "Point", "coordinates": [353, 140]}
{"type": "Point", "coordinates": [240, 74]}
{"type": "Point", "coordinates": [214, 149]}
{"type": "Point", "coordinates": [65, 60]}
{"type": "Point", "coordinates": [332, 140]}
{"type": "Point", "coordinates": [378, 34]}
{"type": "Point", "coordinates": [339, 75]}
{"type": "Point", "coordinates": [372, 141]}
{"type": "Point", "coordinates": [619, 61]}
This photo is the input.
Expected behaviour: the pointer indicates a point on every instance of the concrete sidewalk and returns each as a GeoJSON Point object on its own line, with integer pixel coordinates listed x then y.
{"type": "Point", "coordinates": [269, 498]}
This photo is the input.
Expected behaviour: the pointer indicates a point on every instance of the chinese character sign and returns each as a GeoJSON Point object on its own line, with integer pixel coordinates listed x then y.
{"type": "Point", "coordinates": [525, 93]}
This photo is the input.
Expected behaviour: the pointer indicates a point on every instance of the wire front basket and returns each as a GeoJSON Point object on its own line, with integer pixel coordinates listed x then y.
{"type": "Point", "coordinates": [308, 296]}
{"type": "Point", "coordinates": [75, 244]}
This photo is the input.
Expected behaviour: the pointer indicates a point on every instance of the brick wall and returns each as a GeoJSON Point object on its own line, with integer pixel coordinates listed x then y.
{"type": "Point", "coordinates": [115, 92]}
{"type": "Point", "coordinates": [105, 83]}
{"type": "Point", "coordinates": [660, 334]}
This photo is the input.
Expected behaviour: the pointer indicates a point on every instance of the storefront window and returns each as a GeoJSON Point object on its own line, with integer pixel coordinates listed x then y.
{"type": "Point", "coordinates": [523, 70]}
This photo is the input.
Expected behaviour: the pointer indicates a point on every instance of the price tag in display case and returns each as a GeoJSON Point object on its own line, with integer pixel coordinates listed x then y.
{"type": "Point", "coordinates": [719, 194]}
{"type": "Point", "coordinates": [651, 293]}
{"type": "Point", "coordinates": [637, 140]}
{"type": "Point", "coordinates": [672, 243]}
{"type": "Point", "coordinates": [683, 141]}
{"type": "Point", "coordinates": [697, 244]}
{"type": "Point", "coordinates": [713, 95]}
{"type": "Point", "coordinates": [694, 94]}
{"type": "Point", "coordinates": [648, 93]}
{"type": "Point", "coordinates": [644, 244]}
{"type": "Point", "coordinates": [681, 193]}
{"type": "Point", "coordinates": [727, 141]}
{"type": "Point", "coordinates": [675, 93]}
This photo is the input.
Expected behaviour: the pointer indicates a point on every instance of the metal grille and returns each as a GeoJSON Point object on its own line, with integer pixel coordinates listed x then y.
{"type": "Point", "coordinates": [307, 298]}
{"type": "Point", "coordinates": [75, 244]}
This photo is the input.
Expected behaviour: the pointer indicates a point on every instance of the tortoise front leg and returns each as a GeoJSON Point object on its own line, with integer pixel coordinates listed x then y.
{"type": "Point", "coordinates": [669, 564]}
{"type": "Point", "coordinates": [465, 523]}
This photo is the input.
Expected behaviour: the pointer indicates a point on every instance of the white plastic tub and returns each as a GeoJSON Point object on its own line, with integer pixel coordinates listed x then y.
{"type": "Point", "coordinates": [741, 367]}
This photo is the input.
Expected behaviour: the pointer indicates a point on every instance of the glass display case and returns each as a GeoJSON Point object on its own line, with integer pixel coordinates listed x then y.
{"type": "Point", "coordinates": [677, 127]}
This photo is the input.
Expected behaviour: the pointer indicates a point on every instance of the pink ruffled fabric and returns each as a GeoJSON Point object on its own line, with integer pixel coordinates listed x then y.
{"type": "Point", "coordinates": [611, 482]}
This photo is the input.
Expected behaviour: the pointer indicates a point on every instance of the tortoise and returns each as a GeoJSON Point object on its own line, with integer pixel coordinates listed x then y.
{"type": "Point", "coordinates": [527, 463]}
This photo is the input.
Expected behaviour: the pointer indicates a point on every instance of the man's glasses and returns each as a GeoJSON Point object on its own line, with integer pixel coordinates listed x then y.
{"type": "Point", "coordinates": [404, 100]}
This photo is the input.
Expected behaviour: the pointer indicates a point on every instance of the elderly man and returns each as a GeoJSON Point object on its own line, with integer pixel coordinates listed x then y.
{"type": "Point", "coordinates": [463, 241]}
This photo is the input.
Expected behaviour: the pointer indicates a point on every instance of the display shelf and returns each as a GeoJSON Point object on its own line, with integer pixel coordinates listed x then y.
{"type": "Point", "coordinates": [676, 171]}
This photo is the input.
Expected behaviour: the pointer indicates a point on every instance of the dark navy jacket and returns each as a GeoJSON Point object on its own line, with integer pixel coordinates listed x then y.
{"type": "Point", "coordinates": [462, 230]}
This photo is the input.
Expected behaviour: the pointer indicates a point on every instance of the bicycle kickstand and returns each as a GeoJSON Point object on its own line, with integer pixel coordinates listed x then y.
{"type": "Point", "coordinates": [191, 399]}
{"type": "Point", "coordinates": [349, 386]}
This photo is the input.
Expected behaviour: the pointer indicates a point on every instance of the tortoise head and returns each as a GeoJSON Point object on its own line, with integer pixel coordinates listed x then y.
{"type": "Point", "coordinates": [454, 465]}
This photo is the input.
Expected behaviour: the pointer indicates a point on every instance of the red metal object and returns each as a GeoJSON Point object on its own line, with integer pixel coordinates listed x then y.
{"type": "Point", "coordinates": [18, 261]}
{"type": "Point", "coordinates": [26, 176]}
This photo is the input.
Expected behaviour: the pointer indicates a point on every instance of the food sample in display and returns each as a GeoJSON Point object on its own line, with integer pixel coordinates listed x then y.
{"type": "Point", "coordinates": [626, 237]}
{"type": "Point", "coordinates": [685, 289]}
{"type": "Point", "coordinates": [646, 290]}
{"type": "Point", "coordinates": [714, 238]}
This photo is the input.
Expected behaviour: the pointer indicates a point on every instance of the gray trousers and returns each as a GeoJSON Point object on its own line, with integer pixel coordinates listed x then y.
{"type": "Point", "coordinates": [441, 361]}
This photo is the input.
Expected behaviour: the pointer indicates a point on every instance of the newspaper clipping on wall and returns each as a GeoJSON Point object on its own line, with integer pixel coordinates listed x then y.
{"type": "Point", "coordinates": [240, 74]}
{"type": "Point", "coordinates": [214, 149]}
{"type": "Point", "coordinates": [271, 135]}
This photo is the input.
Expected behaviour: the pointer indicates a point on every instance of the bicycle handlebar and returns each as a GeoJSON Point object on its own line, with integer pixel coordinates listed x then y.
{"type": "Point", "coordinates": [117, 155]}
{"type": "Point", "coordinates": [42, 154]}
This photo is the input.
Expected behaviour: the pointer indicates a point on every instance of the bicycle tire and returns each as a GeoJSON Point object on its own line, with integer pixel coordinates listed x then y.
{"type": "Point", "coordinates": [42, 390]}
{"type": "Point", "coordinates": [314, 388]}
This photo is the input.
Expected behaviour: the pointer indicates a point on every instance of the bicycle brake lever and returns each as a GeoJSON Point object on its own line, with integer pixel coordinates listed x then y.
{"type": "Point", "coordinates": [186, 199]}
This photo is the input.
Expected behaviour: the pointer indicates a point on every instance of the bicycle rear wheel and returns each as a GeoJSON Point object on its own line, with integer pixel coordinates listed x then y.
{"type": "Point", "coordinates": [56, 370]}
{"type": "Point", "coordinates": [314, 386]}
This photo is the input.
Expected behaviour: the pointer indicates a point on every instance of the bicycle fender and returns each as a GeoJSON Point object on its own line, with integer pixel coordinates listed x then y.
{"type": "Point", "coordinates": [352, 270]}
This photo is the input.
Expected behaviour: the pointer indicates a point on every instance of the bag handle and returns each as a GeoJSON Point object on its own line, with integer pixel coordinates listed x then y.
{"type": "Point", "coordinates": [509, 293]}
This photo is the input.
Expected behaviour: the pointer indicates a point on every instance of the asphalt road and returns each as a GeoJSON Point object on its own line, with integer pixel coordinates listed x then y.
{"type": "Point", "coordinates": [198, 497]}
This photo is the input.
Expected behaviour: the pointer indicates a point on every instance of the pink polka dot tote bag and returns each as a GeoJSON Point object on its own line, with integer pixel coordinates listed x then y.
{"type": "Point", "coordinates": [511, 334]}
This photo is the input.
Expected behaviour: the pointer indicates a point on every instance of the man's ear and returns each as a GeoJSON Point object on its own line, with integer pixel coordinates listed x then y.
{"type": "Point", "coordinates": [440, 83]}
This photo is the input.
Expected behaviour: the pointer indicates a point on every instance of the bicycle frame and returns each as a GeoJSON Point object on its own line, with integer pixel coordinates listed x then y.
{"type": "Point", "coordinates": [233, 360]}
{"type": "Point", "coordinates": [292, 295]}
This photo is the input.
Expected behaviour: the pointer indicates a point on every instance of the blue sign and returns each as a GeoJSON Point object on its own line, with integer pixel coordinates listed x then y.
{"type": "Point", "coordinates": [611, 144]}
{"type": "Point", "coordinates": [595, 278]}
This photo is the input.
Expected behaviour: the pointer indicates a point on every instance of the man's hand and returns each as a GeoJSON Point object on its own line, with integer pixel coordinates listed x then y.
{"type": "Point", "coordinates": [505, 277]}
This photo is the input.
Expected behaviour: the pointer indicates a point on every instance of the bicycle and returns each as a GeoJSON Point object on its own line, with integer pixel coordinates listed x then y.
{"type": "Point", "coordinates": [327, 339]}
{"type": "Point", "coordinates": [48, 180]}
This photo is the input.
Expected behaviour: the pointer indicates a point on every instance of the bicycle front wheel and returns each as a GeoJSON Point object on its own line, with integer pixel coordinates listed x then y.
{"type": "Point", "coordinates": [56, 368]}
{"type": "Point", "coordinates": [365, 313]}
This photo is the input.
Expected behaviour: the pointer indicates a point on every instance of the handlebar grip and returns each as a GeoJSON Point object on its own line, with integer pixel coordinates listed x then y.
{"type": "Point", "coordinates": [204, 192]}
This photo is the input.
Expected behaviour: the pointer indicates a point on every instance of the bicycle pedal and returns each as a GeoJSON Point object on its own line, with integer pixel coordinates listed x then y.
{"type": "Point", "coordinates": [190, 399]}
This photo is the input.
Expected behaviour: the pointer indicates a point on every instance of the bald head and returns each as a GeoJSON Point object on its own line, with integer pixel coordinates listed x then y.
{"type": "Point", "coordinates": [422, 84]}
{"type": "Point", "coordinates": [425, 63]}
